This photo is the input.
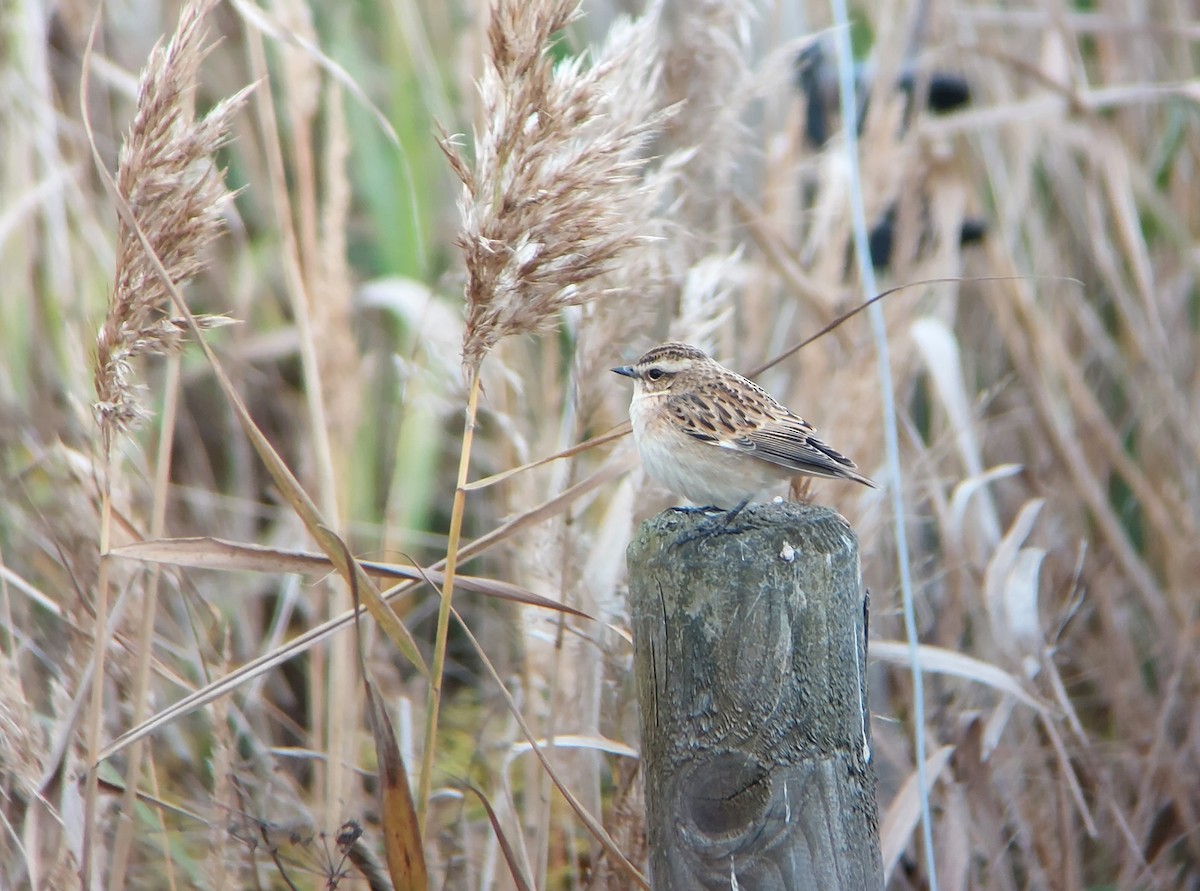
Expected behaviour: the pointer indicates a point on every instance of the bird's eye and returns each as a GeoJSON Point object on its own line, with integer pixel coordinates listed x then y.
{"type": "Point", "coordinates": [654, 373]}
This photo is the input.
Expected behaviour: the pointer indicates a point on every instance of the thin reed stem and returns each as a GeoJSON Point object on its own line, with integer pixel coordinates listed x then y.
{"type": "Point", "coordinates": [141, 682]}
{"type": "Point", "coordinates": [100, 643]}
{"type": "Point", "coordinates": [443, 624]}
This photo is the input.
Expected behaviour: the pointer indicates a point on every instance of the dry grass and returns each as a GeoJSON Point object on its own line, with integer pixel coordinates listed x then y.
{"type": "Point", "coordinates": [1049, 432]}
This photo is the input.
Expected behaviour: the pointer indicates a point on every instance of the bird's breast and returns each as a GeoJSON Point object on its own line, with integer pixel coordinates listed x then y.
{"type": "Point", "coordinates": [702, 472]}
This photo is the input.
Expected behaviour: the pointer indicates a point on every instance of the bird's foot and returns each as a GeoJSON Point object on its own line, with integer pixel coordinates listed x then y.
{"type": "Point", "coordinates": [717, 522]}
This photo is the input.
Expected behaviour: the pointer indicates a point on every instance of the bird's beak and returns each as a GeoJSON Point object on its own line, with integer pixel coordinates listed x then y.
{"type": "Point", "coordinates": [626, 370]}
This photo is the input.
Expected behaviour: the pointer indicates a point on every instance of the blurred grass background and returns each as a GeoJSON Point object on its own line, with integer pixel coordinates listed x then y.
{"type": "Point", "coordinates": [1050, 434]}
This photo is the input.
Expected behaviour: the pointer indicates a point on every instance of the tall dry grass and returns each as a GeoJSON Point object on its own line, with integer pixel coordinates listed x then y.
{"type": "Point", "coordinates": [625, 182]}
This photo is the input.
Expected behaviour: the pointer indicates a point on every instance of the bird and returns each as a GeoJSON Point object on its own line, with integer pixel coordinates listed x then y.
{"type": "Point", "coordinates": [716, 438]}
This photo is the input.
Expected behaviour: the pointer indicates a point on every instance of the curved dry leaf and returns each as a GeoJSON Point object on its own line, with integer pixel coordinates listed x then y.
{"type": "Point", "coordinates": [1021, 600]}
{"type": "Point", "coordinates": [943, 661]}
{"type": "Point", "coordinates": [516, 868]}
{"type": "Point", "coordinates": [437, 327]}
{"type": "Point", "coordinates": [571, 741]}
{"type": "Point", "coordinates": [939, 349]}
{"type": "Point", "coordinates": [998, 570]}
{"type": "Point", "coordinates": [959, 501]}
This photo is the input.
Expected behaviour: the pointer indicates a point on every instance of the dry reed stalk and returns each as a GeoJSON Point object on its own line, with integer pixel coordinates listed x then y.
{"type": "Point", "coordinates": [340, 385]}
{"type": "Point", "coordinates": [310, 197]}
{"type": "Point", "coordinates": [36, 226]}
{"type": "Point", "coordinates": [167, 177]}
{"type": "Point", "coordinates": [299, 289]}
{"type": "Point", "coordinates": [554, 199]}
{"type": "Point", "coordinates": [145, 641]}
{"type": "Point", "coordinates": [332, 313]}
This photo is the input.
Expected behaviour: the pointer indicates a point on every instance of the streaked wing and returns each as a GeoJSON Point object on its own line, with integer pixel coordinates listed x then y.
{"type": "Point", "coordinates": [707, 419]}
{"type": "Point", "coordinates": [791, 443]}
{"type": "Point", "coordinates": [750, 421]}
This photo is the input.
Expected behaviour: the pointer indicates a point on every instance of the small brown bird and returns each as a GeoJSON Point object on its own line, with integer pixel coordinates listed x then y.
{"type": "Point", "coordinates": [717, 439]}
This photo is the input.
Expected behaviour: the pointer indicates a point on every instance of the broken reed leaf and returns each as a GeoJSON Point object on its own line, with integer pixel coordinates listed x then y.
{"type": "Point", "coordinates": [219, 554]}
{"type": "Point", "coordinates": [167, 175]}
{"type": "Point", "coordinates": [397, 813]}
{"type": "Point", "coordinates": [555, 195]}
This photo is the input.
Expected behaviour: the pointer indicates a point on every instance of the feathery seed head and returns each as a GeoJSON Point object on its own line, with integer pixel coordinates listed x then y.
{"type": "Point", "coordinates": [176, 194]}
{"type": "Point", "coordinates": [555, 195]}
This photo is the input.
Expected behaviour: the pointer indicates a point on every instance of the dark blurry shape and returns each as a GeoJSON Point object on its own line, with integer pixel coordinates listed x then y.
{"type": "Point", "coordinates": [816, 76]}
{"type": "Point", "coordinates": [972, 231]}
{"type": "Point", "coordinates": [946, 92]}
{"type": "Point", "coordinates": [883, 236]}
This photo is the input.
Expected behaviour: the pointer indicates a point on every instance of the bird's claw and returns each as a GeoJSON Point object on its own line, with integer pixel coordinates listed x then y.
{"type": "Point", "coordinates": [718, 524]}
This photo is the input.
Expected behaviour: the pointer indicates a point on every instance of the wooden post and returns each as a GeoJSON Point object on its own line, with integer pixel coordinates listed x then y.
{"type": "Point", "coordinates": [750, 654]}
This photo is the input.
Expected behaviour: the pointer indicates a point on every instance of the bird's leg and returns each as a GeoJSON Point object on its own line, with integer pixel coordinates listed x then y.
{"type": "Point", "coordinates": [800, 490]}
{"type": "Point", "coordinates": [737, 509]}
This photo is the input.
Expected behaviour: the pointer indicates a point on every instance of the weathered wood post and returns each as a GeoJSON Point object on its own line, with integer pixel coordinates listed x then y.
{"type": "Point", "coordinates": [750, 653]}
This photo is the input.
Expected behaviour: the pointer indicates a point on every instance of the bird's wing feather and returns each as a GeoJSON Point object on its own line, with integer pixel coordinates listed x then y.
{"type": "Point", "coordinates": [753, 423]}
{"type": "Point", "coordinates": [793, 445]}
{"type": "Point", "coordinates": [704, 419]}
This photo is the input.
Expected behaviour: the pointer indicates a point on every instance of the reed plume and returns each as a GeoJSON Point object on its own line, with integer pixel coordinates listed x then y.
{"type": "Point", "coordinates": [167, 177]}
{"type": "Point", "coordinates": [555, 196]}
